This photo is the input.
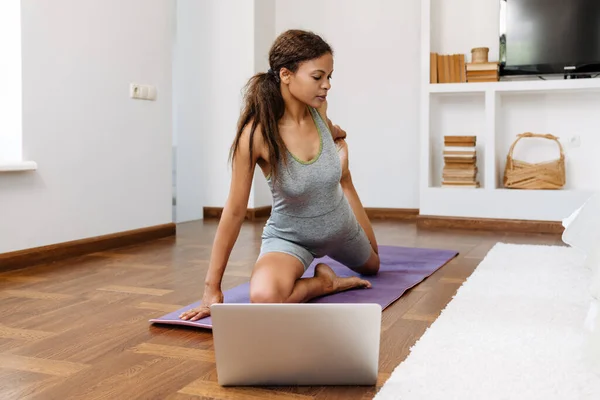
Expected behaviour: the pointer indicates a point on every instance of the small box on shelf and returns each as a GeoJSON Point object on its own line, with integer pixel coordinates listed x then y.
{"type": "Point", "coordinates": [460, 162]}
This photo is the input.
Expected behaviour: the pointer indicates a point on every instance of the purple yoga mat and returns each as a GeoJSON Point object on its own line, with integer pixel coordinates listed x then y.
{"type": "Point", "coordinates": [401, 269]}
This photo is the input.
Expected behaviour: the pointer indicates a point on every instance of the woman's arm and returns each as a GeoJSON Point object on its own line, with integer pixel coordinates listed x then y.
{"type": "Point", "coordinates": [235, 209]}
{"type": "Point", "coordinates": [229, 225]}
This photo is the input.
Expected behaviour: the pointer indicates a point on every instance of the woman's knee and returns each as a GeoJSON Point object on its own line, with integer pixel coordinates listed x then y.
{"type": "Point", "coordinates": [274, 277]}
{"type": "Point", "coordinates": [265, 293]}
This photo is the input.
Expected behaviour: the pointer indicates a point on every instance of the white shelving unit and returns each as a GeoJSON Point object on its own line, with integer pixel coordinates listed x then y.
{"type": "Point", "coordinates": [527, 86]}
{"type": "Point", "coordinates": [496, 112]}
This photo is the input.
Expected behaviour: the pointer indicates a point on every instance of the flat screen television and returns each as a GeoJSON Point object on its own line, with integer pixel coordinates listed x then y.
{"type": "Point", "coordinates": [539, 37]}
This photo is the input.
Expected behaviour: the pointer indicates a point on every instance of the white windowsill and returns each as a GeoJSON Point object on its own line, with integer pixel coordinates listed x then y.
{"type": "Point", "coordinates": [18, 166]}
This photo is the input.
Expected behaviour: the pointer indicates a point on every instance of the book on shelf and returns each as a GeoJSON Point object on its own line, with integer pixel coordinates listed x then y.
{"type": "Point", "coordinates": [461, 184]}
{"type": "Point", "coordinates": [447, 68]}
{"type": "Point", "coordinates": [452, 68]}
{"type": "Point", "coordinates": [460, 141]}
{"type": "Point", "coordinates": [460, 161]}
{"type": "Point", "coordinates": [482, 72]}
{"type": "Point", "coordinates": [460, 154]}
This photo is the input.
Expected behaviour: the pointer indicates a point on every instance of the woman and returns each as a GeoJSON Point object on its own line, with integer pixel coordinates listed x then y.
{"type": "Point", "coordinates": [316, 211]}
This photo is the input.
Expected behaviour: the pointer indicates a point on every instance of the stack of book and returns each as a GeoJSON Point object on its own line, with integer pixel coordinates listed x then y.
{"type": "Point", "coordinates": [460, 162]}
{"type": "Point", "coordinates": [447, 68]}
{"type": "Point", "coordinates": [482, 72]}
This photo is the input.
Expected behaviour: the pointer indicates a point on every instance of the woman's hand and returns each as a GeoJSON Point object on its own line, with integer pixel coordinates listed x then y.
{"type": "Point", "coordinates": [210, 297]}
{"type": "Point", "coordinates": [342, 148]}
{"type": "Point", "coordinates": [337, 131]}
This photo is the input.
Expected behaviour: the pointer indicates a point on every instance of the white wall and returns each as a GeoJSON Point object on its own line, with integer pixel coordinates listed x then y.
{"type": "Point", "coordinates": [375, 88]}
{"type": "Point", "coordinates": [10, 81]}
{"type": "Point", "coordinates": [215, 58]}
{"type": "Point", "coordinates": [264, 35]}
{"type": "Point", "coordinates": [457, 26]}
{"type": "Point", "coordinates": [376, 102]}
{"type": "Point", "coordinates": [219, 47]}
{"type": "Point", "coordinates": [104, 159]}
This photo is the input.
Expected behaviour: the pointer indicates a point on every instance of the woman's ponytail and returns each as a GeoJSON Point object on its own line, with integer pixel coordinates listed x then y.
{"type": "Point", "coordinates": [263, 106]}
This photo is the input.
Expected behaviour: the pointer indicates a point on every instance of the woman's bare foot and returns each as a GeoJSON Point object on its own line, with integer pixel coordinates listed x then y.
{"type": "Point", "coordinates": [334, 283]}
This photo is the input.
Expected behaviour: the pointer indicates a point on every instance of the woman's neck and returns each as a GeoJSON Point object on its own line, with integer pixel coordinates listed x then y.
{"type": "Point", "coordinates": [295, 110]}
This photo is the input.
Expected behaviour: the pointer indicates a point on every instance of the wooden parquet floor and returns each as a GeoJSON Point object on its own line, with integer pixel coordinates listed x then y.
{"type": "Point", "coordinates": [78, 329]}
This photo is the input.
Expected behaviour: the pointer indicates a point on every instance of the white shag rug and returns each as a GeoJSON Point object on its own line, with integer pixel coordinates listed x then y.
{"type": "Point", "coordinates": [514, 330]}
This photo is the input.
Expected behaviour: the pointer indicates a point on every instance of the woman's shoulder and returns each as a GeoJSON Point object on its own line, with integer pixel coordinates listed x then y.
{"type": "Point", "coordinates": [336, 132]}
{"type": "Point", "coordinates": [258, 142]}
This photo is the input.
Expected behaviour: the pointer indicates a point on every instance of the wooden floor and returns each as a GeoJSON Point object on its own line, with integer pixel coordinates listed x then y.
{"type": "Point", "coordinates": [78, 329]}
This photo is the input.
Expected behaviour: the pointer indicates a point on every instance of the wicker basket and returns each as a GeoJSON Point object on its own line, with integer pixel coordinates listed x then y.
{"type": "Point", "coordinates": [545, 175]}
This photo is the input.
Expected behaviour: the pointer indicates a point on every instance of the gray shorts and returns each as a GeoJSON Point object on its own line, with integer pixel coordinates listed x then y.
{"type": "Point", "coordinates": [352, 251]}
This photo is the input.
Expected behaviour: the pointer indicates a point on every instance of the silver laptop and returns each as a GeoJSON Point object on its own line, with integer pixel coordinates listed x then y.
{"type": "Point", "coordinates": [296, 344]}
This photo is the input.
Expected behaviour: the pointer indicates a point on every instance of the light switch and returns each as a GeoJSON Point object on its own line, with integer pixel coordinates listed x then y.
{"type": "Point", "coordinates": [134, 91]}
{"type": "Point", "coordinates": [151, 93]}
{"type": "Point", "coordinates": [142, 92]}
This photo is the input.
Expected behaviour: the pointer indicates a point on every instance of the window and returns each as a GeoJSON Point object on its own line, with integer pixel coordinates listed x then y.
{"type": "Point", "coordinates": [10, 82]}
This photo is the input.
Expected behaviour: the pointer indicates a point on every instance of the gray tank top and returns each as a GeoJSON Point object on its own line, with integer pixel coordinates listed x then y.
{"type": "Point", "coordinates": [309, 189]}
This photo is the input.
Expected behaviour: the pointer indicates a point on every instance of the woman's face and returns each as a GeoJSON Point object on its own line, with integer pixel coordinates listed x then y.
{"type": "Point", "coordinates": [311, 82]}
